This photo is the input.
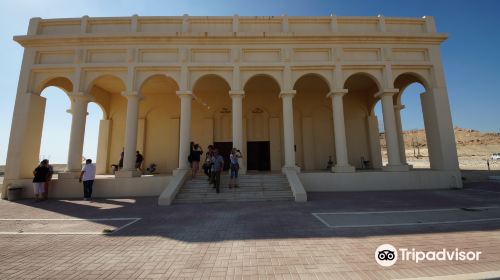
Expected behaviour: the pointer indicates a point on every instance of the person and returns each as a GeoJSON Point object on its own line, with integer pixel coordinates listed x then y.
{"type": "Point", "coordinates": [196, 153]}
{"type": "Point", "coordinates": [217, 168]}
{"type": "Point", "coordinates": [207, 166]}
{"type": "Point", "coordinates": [234, 166]}
{"type": "Point", "coordinates": [49, 178]}
{"type": "Point", "coordinates": [329, 164]}
{"type": "Point", "coordinates": [87, 176]}
{"type": "Point", "coordinates": [41, 174]}
{"type": "Point", "coordinates": [138, 161]}
{"type": "Point", "coordinates": [190, 159]}
{"type": "Point", "coordinates": [120, 162]}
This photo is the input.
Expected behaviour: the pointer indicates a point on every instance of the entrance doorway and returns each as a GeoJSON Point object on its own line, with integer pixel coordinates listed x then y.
{"type": "Point", "coordinates": [224, 150]}
{"type": "Point", "coordinates": [259, 155]}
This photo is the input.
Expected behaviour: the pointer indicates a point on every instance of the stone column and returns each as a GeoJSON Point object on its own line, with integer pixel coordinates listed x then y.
{"type": "Point", "coordinates": [129, 170]}
{"type": "Point", "coordinates": [185, 128]}
{"type": "Point", "coordinates": [399, 126]}
{"type": "Point", "coordinates": [237, 110]}
{"type": "Point", "coordinates": [339, 129]}
{"type": "Point", "coordinates": [79, 117]}
{"type": "Point", "coordinates": [390, 131]}
{"type": "Point", "coordinates": [288, 132]}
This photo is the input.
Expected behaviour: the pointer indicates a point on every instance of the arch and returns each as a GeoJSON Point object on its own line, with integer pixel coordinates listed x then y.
{"type": "Point", "coordinates": [313, 74]}
{"type": "Point", "coordinates": [61, 82]}
{"type": "Point", "coordinates": [110, 87]}
{"type": "Point", "coordinates": [153, 76]}
{"type": "Point", "coordinates": [208, 76]}
{"type": "Point", "coordinates": [403, 80]}
{"type": "Point", "coordinates": [265, 75]}
{"type": "Point", "coordinates": [370, 76]}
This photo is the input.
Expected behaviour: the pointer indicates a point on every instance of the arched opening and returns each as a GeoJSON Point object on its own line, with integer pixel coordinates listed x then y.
{"type": "Point", "coordinates": [362, 134]}
{"type": "Point", "coordinates": [211, 121]}
{"type": "Point", "coordinates": [313, 124]}
{"type": "Point", "coordinates": [56, 127]}
{"type": "Point", "coordinates": [106, 94]}
{"type": "Point", "coordinates": [263, 117]}
{"type": "Point", "coordinates": [158, 132]}
{"type": "Point", "coordinates": [91, 139]}
{"type": "Point", "coordinates": [410, 120]}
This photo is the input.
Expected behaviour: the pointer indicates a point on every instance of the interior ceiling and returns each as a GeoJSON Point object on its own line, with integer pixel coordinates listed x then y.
{"type": "Point", "coordinates": [360, 82]}
{"type": "Point", "coordinates": [262, 84]}
{"type": "Point", "coordinates": [159, 84]}
{"type": "Point", "coordinates": [110, 84]}
{"type": "Point", "coordinates": [211, 84]}
{"type": "Point", "coordinates": [311, 83]}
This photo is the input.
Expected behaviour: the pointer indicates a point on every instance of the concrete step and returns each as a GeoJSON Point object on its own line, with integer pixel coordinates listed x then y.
{"type": "Point", "coordinates": [254, 187]}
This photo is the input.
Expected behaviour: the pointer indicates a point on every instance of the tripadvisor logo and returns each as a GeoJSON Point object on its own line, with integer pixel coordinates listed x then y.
{"type": "Point", "coordinates": [387, 255]}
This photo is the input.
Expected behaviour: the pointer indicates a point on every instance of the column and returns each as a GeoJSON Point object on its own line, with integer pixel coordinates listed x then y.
{"type": "Point", "coordinates": [185, 128]}
{"type": "Point", "coordinates": [288, 132]}
{"type": "Point", "coordinates": [129, 170]}
{"type": "Point", "coordinates": [237, 110]}
{"type": "Point", "coordinates": [79, 117]}
{"type": "Point", "coordinates": [390, 130]}
{"type": "Point", "coordinates": [399, 126]}
{"type": "Point", "coordinates": [339, 130]}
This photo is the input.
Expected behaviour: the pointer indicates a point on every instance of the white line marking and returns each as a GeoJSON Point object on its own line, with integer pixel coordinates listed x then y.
{"type": "Point", "coordinates": [133, 220]}
{"type": "Point", "coordinates": [317, 215]}
{"type": "Point", "coordinates": [408, 211]}
{"type": "Point", "coordinates": [414, 224]}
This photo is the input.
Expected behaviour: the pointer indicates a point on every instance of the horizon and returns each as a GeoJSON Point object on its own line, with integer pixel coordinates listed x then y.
{"type": "Point", "coordinates": [469, 55]}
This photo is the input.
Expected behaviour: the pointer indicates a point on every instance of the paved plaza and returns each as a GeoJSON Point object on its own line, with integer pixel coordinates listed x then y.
{"type": "Point", "coordinates": [333, 236]}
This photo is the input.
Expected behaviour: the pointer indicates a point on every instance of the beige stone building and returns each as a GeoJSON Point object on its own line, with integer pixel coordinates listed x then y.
{"type": "Point", "coordinates": [290, 92]}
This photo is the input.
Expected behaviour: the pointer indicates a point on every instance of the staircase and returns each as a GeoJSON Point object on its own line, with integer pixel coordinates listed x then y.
{"type": "Point", "coordinates": [252, 187]}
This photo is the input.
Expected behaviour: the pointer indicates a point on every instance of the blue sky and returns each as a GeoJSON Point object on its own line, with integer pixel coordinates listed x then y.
{"type": "Point", "coordinates": [471, 55]}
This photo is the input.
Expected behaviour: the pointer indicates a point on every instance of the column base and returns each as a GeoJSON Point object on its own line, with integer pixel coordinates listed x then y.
{"type": "Point", "coordinates": [69, 175]}
{"type": "Point", "coordinates": [396, 168]}
{"type": "Point", "coordinates": [127, 173]}
{"type": "Point", "coordinates": [343, 169]}
{"type": "Point", "coordinates": [296, 168]}
{"type": "Point", "coordinates": [177, 170]}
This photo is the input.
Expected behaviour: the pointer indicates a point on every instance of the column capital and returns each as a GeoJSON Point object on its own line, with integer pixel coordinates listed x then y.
{"type": "Point", "coordinates": [386, 92]}
{"type": "Point", "coordinates": [131, 94]}
{"type": "Point", "coordinates": [80, 96]}
{"type": "Point", "coordinates": [337, 92]}
{"type": "Point", "coordinates": [399, 107]}
{"type": "Point", "coordinates": [287, 93]}
{"type": "Point", "coordinates": [237, 93]}
{"type": "Point", "coordinates": [182, 93]}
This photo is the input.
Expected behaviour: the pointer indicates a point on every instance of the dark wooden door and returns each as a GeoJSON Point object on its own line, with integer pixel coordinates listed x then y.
{"type": "Point", "coordinates": [224, 150]}
{"type": "Point", "coordinates": [259, 155]}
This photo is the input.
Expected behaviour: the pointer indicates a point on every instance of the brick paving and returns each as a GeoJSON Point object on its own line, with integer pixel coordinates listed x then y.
{"type": "Point", "coordinates": [251, 240]}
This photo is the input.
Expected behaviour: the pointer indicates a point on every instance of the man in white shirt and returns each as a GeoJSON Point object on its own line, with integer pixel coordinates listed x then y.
{"type": "Point", "coordinates": [87, 176]}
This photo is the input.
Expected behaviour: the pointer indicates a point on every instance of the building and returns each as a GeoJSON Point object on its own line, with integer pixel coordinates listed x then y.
{"type": "Point", "coordinates": [288, 91]}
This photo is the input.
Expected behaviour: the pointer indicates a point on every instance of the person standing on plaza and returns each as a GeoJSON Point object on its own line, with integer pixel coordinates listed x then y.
{"type": "Point", "coordinates": [120, 162]}
{"type": "Point", "coordinates": [195, 155]}
{"type": "Point", "coordinates": [87, 176]}
{"type": "Point", "coordinates": [138, 161]}
{"type": "Point", "coordinates": [41, 174]}
{"type": "Point", "coordinates": [49, 178]}
{"type": "Point", "coordinates": [234, 166]}
{"type": "Point", "coordinates": [217, 168]}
